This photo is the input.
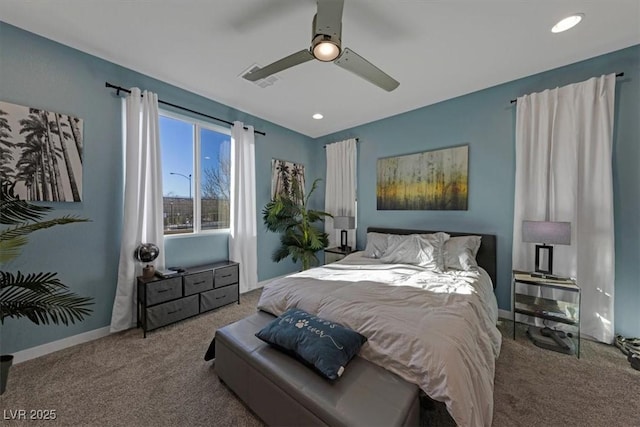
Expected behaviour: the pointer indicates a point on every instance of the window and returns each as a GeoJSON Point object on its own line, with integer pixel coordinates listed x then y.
{"type": "Point", "coordinates": [196, 174]}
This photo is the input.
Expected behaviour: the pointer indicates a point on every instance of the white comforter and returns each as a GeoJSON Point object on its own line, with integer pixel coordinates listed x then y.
{"type": "Point", "coordinates": [434, 330]}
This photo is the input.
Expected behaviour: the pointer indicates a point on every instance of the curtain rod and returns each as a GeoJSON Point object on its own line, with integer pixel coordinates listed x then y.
{"type": "Point", "coordinates": [617, 75]}
{"type": "Point", "coordinates": [325, 146]}
{"type": "Point", "coordinates": [120, 88]}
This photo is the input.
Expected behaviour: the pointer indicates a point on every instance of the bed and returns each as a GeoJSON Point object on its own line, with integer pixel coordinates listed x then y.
{"type": "Point", "coordinates": [433, 329]}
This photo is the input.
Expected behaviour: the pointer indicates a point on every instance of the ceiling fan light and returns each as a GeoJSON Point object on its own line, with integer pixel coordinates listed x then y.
{"type": "Point", "coordinates": [326, 51]}
{"type": "Point", "coordinates": [567, 23]}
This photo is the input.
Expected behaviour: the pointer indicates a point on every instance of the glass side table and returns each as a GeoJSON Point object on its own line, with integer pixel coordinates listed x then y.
{"type": "Point", "coordinates": [535, 297]}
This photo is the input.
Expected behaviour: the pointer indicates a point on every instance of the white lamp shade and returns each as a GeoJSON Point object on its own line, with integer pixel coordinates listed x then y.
{"type": "Point", "coordinates": [344, 222]}
{"type": "Point", "coordinates": [556, 233]}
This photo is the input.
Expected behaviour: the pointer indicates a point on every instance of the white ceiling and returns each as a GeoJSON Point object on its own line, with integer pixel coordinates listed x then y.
{"type": "Point", "coordinates": [437, 50]}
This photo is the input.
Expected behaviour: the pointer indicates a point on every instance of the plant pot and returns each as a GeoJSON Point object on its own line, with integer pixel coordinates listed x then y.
{"type": "Point", "coordinates": [6, 360]}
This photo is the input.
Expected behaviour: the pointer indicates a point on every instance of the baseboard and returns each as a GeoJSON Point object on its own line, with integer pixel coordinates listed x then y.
{"type": "Point", "coordinates": [41, 350]}
{"type": "Point", "coordinates": [505, 314]}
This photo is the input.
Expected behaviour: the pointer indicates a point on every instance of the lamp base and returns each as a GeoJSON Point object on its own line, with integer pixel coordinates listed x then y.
{"type": "Point", "coordinates": [343, 241]}
{"type": "Point", "coordinates": [540, 260]}
{"type": "Point", "coordinates": [148, 272]}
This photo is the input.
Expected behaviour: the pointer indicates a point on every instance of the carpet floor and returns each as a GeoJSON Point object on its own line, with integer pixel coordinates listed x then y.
{"type": "Point", "coordinates": [125, 380]}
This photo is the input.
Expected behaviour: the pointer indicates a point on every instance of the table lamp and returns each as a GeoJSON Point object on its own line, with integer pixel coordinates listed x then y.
{"type": "Point", "coordinates": [546, 233]}
{"type": "Point", "coordinates": [147, 252]}
{"type": "Point", "coordinates": [344, 223]}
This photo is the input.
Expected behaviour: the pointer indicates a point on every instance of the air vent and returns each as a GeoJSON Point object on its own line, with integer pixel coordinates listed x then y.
{"type": "Point", "coordinates": [268, 81]}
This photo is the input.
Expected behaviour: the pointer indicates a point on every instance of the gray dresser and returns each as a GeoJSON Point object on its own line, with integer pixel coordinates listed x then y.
{"type": "Point", "coordinates": [162, 301]}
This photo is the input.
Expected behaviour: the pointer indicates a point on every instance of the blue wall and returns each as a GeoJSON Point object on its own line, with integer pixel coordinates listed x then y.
{"type": "Point", "coordinates": [486, 121]}
{"type": "Point", "coordinates": [40, 73]}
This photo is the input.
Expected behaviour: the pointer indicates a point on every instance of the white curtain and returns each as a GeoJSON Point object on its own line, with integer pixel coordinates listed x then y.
{"type": "Point", "coordinates": [142, 218]}
{"type": "Point", "coordinates": [340, 193]}
{"type": "Point", "coordinates": [243, 239]}
{"type": "Point", "coordinates": [564, 141]}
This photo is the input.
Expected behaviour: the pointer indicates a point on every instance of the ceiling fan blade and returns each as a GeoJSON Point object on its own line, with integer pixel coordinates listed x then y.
{"type": "Point", "coordinates": [329, 17]}
{"type": "Point", "coordinates": [282, 64]}
{"type": "Point", "coordinates": [351, 61]}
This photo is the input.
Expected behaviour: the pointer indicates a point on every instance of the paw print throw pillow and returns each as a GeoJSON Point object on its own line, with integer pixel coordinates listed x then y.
{"type": "Point", "coordinates": [326, 346]}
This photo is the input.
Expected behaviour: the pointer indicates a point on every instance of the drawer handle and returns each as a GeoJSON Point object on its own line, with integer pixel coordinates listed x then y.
{"type": "Point", "coordinates": [163, 290]}
{"type": "Point", "coordinates": [175, 311]}
{"type": "Point", "coordinates": [223, 296]}
{"type": "Point", "coordinates": [226, 275]}
{"type": "Point", "coordinates": [199, 283]}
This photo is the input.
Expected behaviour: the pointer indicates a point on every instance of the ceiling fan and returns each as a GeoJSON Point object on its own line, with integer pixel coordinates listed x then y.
{"type": "Point", "coordinates": [326, 46]}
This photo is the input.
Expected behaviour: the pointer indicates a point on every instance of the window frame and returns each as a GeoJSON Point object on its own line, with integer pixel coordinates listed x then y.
{"type": "Point", "coordinates": [196, 175]}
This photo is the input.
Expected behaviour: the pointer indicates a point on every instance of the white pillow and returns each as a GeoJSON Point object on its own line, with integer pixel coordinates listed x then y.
{"type": "Point", "coordinates": [460, 252]}
{"type": "Point", "coordinates": [377, 243]}
{"type": "Point", "coordinates": [425, 250]}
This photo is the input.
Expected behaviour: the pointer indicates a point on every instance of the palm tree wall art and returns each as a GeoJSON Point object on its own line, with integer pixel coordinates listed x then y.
{"type": "Point", "coordinates": [41, 153]}
{"type": "Point", "coordinates": [287, 179]}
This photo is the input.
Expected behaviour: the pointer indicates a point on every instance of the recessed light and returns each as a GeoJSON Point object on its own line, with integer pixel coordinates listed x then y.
{"type": "Point", "coordinates": [567, 23]}
{"type": "Point", "coordinates": [317, 116]}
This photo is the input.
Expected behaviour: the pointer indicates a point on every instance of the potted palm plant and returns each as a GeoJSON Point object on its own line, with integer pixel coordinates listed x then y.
{"type": "Point", "coordinates": [291, 216]}
{"type": "Point", "coordinates": [40, 297]}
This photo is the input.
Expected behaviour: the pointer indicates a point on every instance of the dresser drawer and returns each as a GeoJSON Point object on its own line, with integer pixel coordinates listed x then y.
{"type": "Point", "coordinates": [198, 282]}
{"type": "Point", "coordinates": [218, 297]}
{"type": "Point", "coordinates": [226, 276]}
{"type": "Point", "coordinates": [163, 290]}
{"type": "Point", "coordinates": [172, 311]}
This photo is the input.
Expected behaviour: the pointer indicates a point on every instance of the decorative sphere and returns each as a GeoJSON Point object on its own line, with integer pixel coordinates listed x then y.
{"type": "Point", "coordinates": [146, 252]}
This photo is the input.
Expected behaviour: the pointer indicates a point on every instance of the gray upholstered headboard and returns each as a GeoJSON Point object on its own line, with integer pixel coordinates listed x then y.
{"type": "Point", "coordinates": [486, 256]}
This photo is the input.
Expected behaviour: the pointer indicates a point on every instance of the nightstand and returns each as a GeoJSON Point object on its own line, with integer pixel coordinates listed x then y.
{"type": "Point", "coordinates": [334, 254]}
{"type": "Point", "coordinates": [532, 298]}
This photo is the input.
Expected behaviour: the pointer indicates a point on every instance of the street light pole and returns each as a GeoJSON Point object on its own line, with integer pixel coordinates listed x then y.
{"type": "Point", "coordinates": [184, 176]}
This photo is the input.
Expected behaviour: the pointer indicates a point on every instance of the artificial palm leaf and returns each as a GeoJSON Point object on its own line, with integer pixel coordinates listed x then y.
{"type": "Point", "coordinates": [300, 239]}
{"type": "Point", "coordinates": [26, 228]}
{"type": "Point", "coordinates": [317, 215]}
{"type": "Point", "coordinates": [280, 253]}
{"type": "Point", "coordinates": [280, 214]}
{"type": "Point", "coordinates": [10, 248]}
{"type": "Point", "coordinates": [41, 298]}
{"type": "Point", "coordinates": [14, 210]}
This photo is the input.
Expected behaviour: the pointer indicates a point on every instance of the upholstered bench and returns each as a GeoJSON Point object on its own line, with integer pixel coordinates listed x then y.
{"type": "Point", "coordinates": [284, 392]}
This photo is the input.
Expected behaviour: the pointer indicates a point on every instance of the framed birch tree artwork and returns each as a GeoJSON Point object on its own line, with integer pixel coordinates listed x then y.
{"type": "Point", "coordinates": [431, 180]}
{"type": "Point", "coordinates": [287, 179]}
{"type": "Point", "coordinates": [41, 153]}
